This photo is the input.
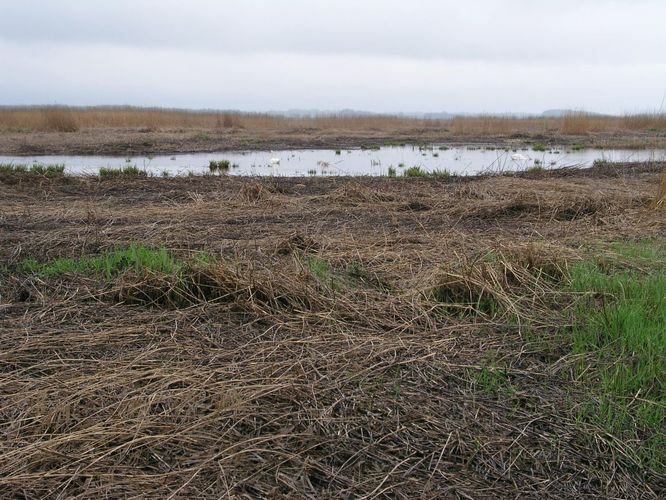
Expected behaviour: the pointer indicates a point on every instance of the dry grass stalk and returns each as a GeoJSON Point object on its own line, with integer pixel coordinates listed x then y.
{"type": "Point", "coordinates": [660, 199]}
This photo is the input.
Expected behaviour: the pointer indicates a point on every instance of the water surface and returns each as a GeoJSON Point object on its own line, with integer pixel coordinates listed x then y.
{"type": "Point", "coordinates": [458, 160]}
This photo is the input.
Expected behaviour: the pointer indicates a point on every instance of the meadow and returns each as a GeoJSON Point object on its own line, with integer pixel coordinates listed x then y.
{"type": "Point", "coordinates": [412, 336]}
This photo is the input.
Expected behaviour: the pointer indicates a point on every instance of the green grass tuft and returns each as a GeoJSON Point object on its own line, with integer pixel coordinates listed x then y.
{"type": "Point", "coordinates": [415, 172]}
{"type": "Point", "coordinates": [38, 168]}
{"type": "Point", "coordinates": [219, 165]}
{"type": "Point", "coordinates": [108, 264]}
{"type": "Point", "coordinates": [127, 171]}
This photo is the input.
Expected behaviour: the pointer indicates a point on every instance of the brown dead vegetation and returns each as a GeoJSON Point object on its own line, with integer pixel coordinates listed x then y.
{"type": "Point", "coordinates": [334, 345]}
{"type": "Point", "coordinates": [119, 130]}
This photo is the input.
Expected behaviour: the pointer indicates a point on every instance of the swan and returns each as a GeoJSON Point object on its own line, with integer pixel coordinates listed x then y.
{"type": "Point", "coordinates": [520, 157]}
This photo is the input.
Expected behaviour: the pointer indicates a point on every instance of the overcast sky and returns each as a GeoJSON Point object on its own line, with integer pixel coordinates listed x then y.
{"type": "Point", "coordinates": [377, 55]}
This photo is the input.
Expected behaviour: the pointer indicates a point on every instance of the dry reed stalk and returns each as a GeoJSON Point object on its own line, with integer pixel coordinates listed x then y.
{"type": "Point", "coordinates": [56, 118]}
{"type": "Point", "coordinates": [660, 198]}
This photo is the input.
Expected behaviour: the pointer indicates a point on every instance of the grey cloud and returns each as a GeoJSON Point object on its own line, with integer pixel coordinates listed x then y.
{"type": "Point", "coordinates": [380, 55]}
{"type": "Point", "coordinates": [589, 31]}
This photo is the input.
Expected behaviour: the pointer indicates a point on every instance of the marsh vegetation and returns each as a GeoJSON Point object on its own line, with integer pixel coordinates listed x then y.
{"type": "Point", "coordinates": [428, 336]}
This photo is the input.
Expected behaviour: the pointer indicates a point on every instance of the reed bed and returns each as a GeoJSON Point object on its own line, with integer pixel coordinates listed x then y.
{"type": "Point", "coordinates": [72, 119]}
{"type": "Point", "coordinates": [307, 337]}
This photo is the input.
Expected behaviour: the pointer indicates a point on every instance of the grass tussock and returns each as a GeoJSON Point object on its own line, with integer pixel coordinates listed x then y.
{"type": "Point", "coordinates": [507, 281]}
{"type": "Point", "coordinates": [50, 170]}
{"type": "Point", "coordinates": [126, 171]}
{"type": "Point", "coordinates": [219, 166]}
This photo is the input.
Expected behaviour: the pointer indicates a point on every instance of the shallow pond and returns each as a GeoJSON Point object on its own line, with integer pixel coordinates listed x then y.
{"type": "Point", "coordinates": [456, 160]}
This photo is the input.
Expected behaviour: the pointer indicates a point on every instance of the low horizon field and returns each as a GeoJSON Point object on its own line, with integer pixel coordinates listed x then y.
{"type": "Point", "coordinates": [120, 130]}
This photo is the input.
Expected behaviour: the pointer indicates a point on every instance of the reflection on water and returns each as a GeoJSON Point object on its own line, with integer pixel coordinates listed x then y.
{"type": "Point", "coordinates": [458, 160]}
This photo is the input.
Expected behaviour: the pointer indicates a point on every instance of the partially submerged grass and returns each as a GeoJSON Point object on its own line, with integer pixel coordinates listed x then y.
{"type": "Point", "coordinates": [49, 170]}
{"type": "Point", "coordinates": [417, 171]}
{"type": "Point", "coordinates": [126, 171]}
{"type": "Point", "coordinates": [219, 165]}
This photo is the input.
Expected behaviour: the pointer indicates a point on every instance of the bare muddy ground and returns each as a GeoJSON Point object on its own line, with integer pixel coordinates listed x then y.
{"type": "Point", "coordinates": [118, 141]}
{"type": "Point", "coordinates": [308, 355]}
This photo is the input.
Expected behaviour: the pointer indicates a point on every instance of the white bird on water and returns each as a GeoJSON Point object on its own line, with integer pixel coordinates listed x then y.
{"type": "Point", "coordinates": [520, 157]}
{"type": "Point", "coordinates": [274, 160]}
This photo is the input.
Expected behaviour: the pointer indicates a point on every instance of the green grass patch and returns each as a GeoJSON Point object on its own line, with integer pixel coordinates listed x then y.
{"type": "Point", "coordinates": [127, 171]}
{"type": "Point", "coordinates": [392, 172]}
{"type": "Point", "coordinates": [420, 172]}
{"type": "Point", "coordinates": [621, 320]}
{"type": "Point", "coordinates": [219, 165]}
{"type": "Point", "coordinates": [319, 268]}
{"type": "Point", "coordinates": [539, 147]}
{"type": "Point", "coordinates": [440, 173]}
{"type": "Point", "coordinates": [415, 172]}
{"type": "Point", "coordinates": [38, 168]}
{"type": "Point", "coordinates": [109, 263]}
{"type": "Point", "coordinates": [11, 168]}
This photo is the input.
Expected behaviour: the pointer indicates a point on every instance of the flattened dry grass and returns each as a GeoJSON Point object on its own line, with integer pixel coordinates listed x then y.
{"type": "Point", "coordinates": [660, 198]}
{"type": "Point", "coordinates": [294, 346]}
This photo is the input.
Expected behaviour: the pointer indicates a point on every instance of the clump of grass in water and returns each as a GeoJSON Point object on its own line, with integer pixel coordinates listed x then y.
{"type": "Point", "coordinates": [623, 323]}
{"type": "Point", "coordinates": [415, 171]}
{"type": "Point", "coordinates": [48, 170]}
{"type": "Point", "coordinates": [37, 168]}
{"type": "Point", "coordinates": [392, 171]}
{"type": "Point", "coordinates": [109, 263]}
{"type": "Point", "coordinates": [539, 147]}
{"type": "Point", "coordinates": [219, 165]}
{"type": "Point", "coordinates": [419, 172]}
{"type": "Point", "coordinates": [127, 171]}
